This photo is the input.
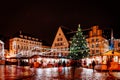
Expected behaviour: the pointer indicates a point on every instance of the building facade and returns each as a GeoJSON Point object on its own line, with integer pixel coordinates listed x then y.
{"type": "Point", "coordinates": [60, 44]}
{"type": "Point", "coordinates": [117, 45]}
{"type": "Point", "coordinates": [1, 49]}
{"type": "Point", "coordinates": [96, 42]}
{"type": "Point", "coordinates": [24, 45]}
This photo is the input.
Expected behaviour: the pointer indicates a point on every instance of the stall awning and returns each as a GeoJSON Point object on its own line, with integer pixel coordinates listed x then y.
{"type": "Point", "coordinates": [111, 53]}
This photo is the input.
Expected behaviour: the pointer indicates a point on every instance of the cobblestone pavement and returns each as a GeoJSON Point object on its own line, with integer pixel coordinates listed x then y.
{"type": "Point", "coordinates": [13, 72]}
{"type": "Point", "coordinates": [67, 73]}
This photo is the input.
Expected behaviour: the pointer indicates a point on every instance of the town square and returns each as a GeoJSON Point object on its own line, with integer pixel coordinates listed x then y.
{"type": "Point", "coordinates": [63, 40]}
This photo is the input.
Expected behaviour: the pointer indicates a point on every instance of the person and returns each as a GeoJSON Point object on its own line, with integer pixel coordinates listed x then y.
{"type": "Point", "coordinates": [93, 64]}
{"type": "Point", "coordinates": [64, 64]}
{"type": "Point", "coordinates": [84, 62]}
{"type": "Point", "coordinates": [108, 65]}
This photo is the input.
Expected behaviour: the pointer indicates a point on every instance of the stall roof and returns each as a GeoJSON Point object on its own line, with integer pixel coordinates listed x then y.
{"type": "Point", "coordinates": [111, 53]}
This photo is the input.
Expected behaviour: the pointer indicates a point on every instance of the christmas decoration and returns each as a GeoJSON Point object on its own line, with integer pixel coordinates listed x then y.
{"type": "Point", "coordinates": [78, 46]}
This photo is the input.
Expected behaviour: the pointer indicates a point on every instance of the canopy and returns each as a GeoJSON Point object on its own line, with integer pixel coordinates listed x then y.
{"type": "Point", "coordinates": [111, 53]}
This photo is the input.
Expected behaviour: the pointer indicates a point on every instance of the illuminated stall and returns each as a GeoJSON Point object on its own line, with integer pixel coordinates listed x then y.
{"type": "Point", "coordinates": [114, 55]}
{"type": "Point", "coordinates": [114, 59]}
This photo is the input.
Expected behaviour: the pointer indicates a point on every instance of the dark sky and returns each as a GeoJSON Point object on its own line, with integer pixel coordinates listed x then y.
{"type": "Point", "coordinates": [44, 18]}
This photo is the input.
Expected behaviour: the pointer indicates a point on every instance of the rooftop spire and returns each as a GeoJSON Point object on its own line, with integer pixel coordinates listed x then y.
{"type": "Point", "coordinates": [79, 27]}
{"type": "Point", "coordinates": [112, 40]}
{"type": "Point", "coordinates": [20, 32]}
{"type": "Point", "coordinates": [112, 34]}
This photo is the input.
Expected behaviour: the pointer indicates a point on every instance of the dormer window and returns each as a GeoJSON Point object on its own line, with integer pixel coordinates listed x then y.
{"type": "Point", "coordinates": [21, 36]}
{"type": "Point", "coordinates": [29, 37]}
{"type": "Point", "coordinates": [25, 37]}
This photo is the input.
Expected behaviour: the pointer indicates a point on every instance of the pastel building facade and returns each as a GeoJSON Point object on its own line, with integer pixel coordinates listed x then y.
{"type": "Point", "coordinates": [96, 42]}
{"type": "Point", "coordinates": [60, 44]}
{"type": "Point", "coordinates": [24, 45]}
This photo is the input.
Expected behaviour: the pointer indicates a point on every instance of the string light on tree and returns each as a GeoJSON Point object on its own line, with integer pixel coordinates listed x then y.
{"type": "Point", "coordinates": [78, 47]}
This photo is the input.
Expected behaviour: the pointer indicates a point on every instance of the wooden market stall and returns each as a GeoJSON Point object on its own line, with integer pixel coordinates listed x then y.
{"type": "Point", "coordinates": [113, 57]}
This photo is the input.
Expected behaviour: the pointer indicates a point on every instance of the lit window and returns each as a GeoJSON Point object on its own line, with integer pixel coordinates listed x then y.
{"type": "Point", "coordinates": [57, 39]}
{"type": "Point", "coordinates": [92, 46]}
{"type": "Point", "coordinates": [92, 40]}
{"type": "Point", "coordinates": [97, 51]}
{"type": "Point", "coordinates": [93, 51]}
{"type": "Point", "coordinates": [97, 39]}
{"type": "Point", "coordinates": [97, 45]}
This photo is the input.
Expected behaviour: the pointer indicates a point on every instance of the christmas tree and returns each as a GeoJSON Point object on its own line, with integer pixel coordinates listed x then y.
{"type": "Point", "coordinates": [78, 46]}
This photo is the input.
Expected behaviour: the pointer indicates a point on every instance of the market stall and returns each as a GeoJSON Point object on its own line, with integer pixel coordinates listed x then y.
{"type": "Point", "coordinates": [113, 57]}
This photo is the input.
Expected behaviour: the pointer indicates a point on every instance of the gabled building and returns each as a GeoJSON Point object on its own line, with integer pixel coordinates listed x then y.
{"type": "Point", "coordinates": [61, 43]}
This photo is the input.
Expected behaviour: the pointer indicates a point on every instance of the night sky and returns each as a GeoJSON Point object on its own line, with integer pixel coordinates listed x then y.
{"type": "Point", "coordinates": [44, 18]}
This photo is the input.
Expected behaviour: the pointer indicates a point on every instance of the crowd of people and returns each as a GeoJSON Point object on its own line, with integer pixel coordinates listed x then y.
{"type": "Point", "coordinates": [64, 63]}
{"type": "Point", "coordinates": [49, 64]}
{"type": "Point", "coordinates": [73, 63]}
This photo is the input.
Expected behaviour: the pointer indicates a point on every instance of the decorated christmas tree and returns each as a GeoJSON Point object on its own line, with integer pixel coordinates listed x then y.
{"type": "Point", "coordinates": [78, 46]}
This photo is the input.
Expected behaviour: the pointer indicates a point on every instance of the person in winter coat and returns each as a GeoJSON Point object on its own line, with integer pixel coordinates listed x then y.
{"type": "Point", "coordinates": [93, 64]}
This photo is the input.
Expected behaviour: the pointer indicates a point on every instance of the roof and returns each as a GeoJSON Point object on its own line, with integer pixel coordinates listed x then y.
{"type": "Point", "coordinates": [26, 36]}
{"type": "Point", "coordinates": [111, 53]}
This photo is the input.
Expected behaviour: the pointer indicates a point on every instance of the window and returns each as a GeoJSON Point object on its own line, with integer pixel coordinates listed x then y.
{"type": "Point", "coordinates": [118, 44]}
{"type": "Point", "coordinates": [97, 45]}
{"type": "Point", "coordinates": [93, 51]}
{"type": "Point", "coordinates": [61, 44]}
{"type": "Point", "coordinates": [61, 39]}
{"type": "Point", "coordinates": [59, 34]}
{"type": "Point", "coordinates": [92, 46]}
{"type": "Point", "coordinates": [97, 51]}
{"type": "Point", "coordinates": [21, 36]}
{"type": "Point", "coordinates": [18, 47]}
{"type": "Point", "coordinates": [97, 39]}
{"type": "Point", "coordinates": [55, 44]}
{"type": "Point", "coordinates": [92, 40]}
